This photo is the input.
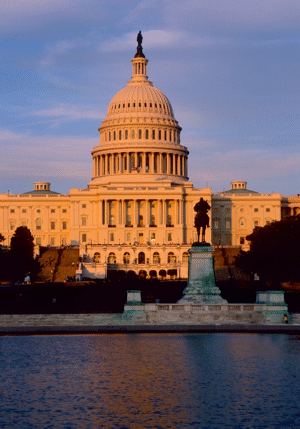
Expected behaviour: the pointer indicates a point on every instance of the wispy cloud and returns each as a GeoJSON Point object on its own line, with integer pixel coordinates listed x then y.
{"type": "Point", "coordinates": [69, 112]}
{"type": "Point", "coordinates": [39, 157]}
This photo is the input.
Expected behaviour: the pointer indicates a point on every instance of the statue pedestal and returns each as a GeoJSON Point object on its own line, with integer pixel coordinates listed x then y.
{"type": "Point", "coordinates": [201, 287]}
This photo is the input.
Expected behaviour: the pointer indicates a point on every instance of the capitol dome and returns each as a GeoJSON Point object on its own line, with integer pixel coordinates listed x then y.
{"type": "Point", "coordinates": [139, 135]}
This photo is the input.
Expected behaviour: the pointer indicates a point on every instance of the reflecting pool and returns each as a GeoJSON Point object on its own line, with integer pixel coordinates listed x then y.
{"type": "Point", "coordinates": [150, 381]}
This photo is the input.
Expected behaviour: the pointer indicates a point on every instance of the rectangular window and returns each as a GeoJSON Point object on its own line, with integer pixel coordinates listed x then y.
{"type": "Point", "coordinates": [12, 210]}
{"type": "Point", "coordinates": [23, 210]}
{"type": "Point", "coordinates": [83, 221]}
{"type": "Point", "coordinates": [256, 223]}
{"type": "Point", "coordinates": [216, 223]}
{"type": "Point", "coordinates": [64, 225]}
{"type": "Point", "coordinates": [63, 241]}
{"type": "Point", "coordinates": [52, 210]}
{"type": "Point", "coordinates": [52, 225]}
{"type": "Point", "coordinates": [83, 238]}
{"type": "Point", "coordinates": [267, 210]}
{"type": "Point", "coordinates": [128, 236]}
{"type": "Point", "coordinates": [268, 222]}
{"type": "Point", "coordinates": [24, 223]}
{"type": "Point", "coordinates": [227, 224]}
{"type": "Point", "coordinates": [256, 210]}
{"type": "Point", "coordinates": [242, 240]}
{"type": "Point", "coordinates": [12, 225]}
{"type": "Point", "coordinates": [169, 236]}
{"type": "Point", "coordinates": [52, 241]}
{"type": "Point", "coordinates": [84, 206]}
{"type": "Point", "coordinates": [111, 236]}
{"type": "Point", "coordinates": [64, 211]}
{"type": "Point", "coordinates": [152, 236]}
{"type": "Point", "coordinates": [38, 241]}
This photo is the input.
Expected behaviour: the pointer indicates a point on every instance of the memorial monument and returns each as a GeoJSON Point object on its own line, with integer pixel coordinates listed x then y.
{"type": "Point", "coordinates": [201, 287]}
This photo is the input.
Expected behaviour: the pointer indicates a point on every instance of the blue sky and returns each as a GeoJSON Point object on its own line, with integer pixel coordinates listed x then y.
{"type": "Point", "coordinates": [230, 69]}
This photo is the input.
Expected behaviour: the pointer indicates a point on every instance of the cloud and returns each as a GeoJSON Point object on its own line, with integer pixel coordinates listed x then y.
{"type": "Point", "coordinates": [252, 165]}
{"type": "Point", "coordinates": [161, 39]}
{"type": "Point", "coordinates": [69, 112]}
{"type": "Point", "coordinates": [24, 155]}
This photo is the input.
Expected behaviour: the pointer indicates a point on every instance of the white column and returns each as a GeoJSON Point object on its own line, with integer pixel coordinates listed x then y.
{"type": "Point", "coordinates": [135, 213]}
{"type": "Point", "coordinates": [151, 168]}
{"type": "Point", "coordinates": [106, 164]}
{"type": "Point", "coordinates": [168, 163]}
{"type": "Point", "coordinates": [159, 212]}
{"type": "Point", "coordinates": [118, 212]}
{"type": "Point", "coordinates": [147, 220]}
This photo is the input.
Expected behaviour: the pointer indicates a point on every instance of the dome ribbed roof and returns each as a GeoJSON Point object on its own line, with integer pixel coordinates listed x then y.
{"type": "Point", "coordinates": [143, 98]}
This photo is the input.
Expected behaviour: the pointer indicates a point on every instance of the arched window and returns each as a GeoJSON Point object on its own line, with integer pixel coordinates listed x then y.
{"type": "Point", "coordinates": [147, 134]}
{"type": "Point", "coordinates": [165, 134]}
{"type": "Point", "coordinates": [38, 224]}
{"type": "Point", "coordinates": [140, 134]}
{"type": "Point", "coordinates": [156, 258]}
{"type": "Point", "coordinates": [96, 258]}
{"type": "Point", "coordinates": [132, 134]}
{"type": "Point", "coordinates": [114, 135]}
{"type": "Point", "coordinates": [112, 258]}
{"type": "Point", "coordinates": [159, 134]}
{"type": "Point", "coordinates": [126, 258]}
{"type": "Point", "coordinates": [171, 258]}
{"type": "Point", "coordinates": [141, 258]}
{"type": "Point", "coordinates": [242, 222]}
{"type": "Point", "coordinates": [185, 257]}
{"type": "Point", "coordinates": [120, 135]}
{"type": "Point", "coordinates": [153, 134]}
{"type": "Point", "coordinates": [126, 134]}
{"type": "Point", "coordinates": [109, 136]}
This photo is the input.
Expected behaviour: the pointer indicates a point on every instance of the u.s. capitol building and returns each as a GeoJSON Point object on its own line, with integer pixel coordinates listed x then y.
{"type": "Point", "coordinates": [137, 211]}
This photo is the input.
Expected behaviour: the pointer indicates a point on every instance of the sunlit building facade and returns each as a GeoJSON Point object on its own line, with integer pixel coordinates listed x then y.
{"type": "Point", "coordinates": [137, 211]}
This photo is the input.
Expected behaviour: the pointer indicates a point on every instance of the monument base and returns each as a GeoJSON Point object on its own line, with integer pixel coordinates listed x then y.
{"type": "Point", "coordinates": [201, 287]}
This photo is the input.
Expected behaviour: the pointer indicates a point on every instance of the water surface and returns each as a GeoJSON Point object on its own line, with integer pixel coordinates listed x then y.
{"type": "Point", "coordinates": [150, 381]}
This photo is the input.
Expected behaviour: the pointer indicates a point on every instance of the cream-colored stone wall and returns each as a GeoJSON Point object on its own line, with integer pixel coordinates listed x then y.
{"type": "Point", "coordinates": [234, 216]}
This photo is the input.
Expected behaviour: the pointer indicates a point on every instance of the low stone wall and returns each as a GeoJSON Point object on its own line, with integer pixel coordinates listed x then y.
{"type": "Point", "coordinates": [205, 314]}
{"type": "Point", "coordinates": [37, 320]}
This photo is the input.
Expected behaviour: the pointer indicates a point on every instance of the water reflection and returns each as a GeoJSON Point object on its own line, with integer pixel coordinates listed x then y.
{"type": "Point", "coordinates": [150, 381]}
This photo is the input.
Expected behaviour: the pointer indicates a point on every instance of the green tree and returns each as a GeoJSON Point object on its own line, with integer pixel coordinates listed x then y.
{"type": "Point", "coordinates": [21, 253]}
{"type": "Point", "coordinates": [274, 252]}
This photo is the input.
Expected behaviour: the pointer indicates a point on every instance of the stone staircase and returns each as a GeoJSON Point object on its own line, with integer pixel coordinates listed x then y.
{"type": "Point", "coordinates": [48, 261]}
{"type": "Point", "coordinates": [57, 264]}
{"type": "Point", "coordinates": [224, 258]}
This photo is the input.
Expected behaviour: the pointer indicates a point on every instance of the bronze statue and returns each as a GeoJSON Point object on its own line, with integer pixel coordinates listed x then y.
{"type": "Point", "coordinates": [201, 218]}
{"type": "Point", "coordinates": [139, 50]}
{"type": "Point", "coordinates": [139, 38]}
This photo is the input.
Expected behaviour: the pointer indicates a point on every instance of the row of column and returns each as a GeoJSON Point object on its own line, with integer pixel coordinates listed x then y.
{"type": "Point", "coordinates": [159, 213]}
{"type": "Point", "coordinates": [144, 162]}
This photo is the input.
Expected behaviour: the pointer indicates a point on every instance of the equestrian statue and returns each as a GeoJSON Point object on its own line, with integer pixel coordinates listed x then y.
{"type": "Point", "coordinates": [201, 219]}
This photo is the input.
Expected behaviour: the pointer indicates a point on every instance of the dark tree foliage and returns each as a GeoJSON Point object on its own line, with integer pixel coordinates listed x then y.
{"type": "Point", "coordinates": [162, 273]}
{"type": "Point", "coordinates": [274, 252]}
{"type": "Point", "coordinates": [21, 253]}
{"type": "Point", "coordinates": [153, 273]}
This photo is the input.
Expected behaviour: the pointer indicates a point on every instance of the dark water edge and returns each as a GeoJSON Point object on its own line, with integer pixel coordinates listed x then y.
{"type": "Point", "coordinates": [150, 381]}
